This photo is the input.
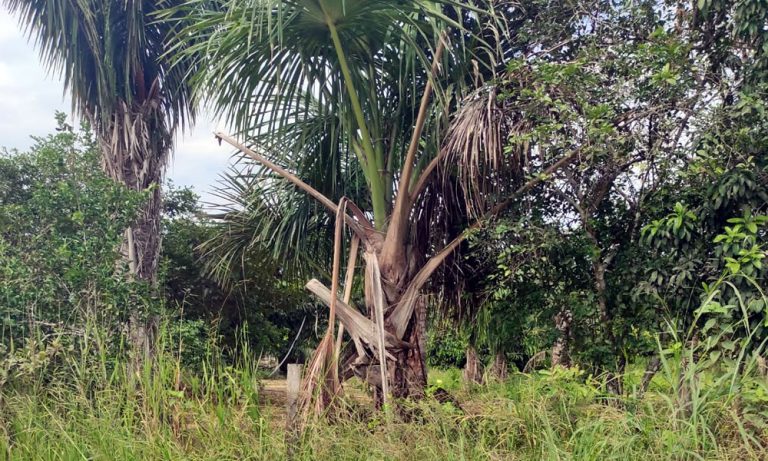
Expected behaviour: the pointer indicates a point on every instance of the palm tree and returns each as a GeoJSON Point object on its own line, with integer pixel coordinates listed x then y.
{"type": "Point", "coordinates": [363, 103]}
{"type": "Point", "coordinates": [114, 59]}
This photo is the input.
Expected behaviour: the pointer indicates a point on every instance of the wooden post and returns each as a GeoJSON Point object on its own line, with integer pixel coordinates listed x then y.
{"type": "Point", "coordinates": [293, 389]}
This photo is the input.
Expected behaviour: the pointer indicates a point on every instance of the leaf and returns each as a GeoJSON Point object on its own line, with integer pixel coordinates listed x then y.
{"type": "Point", "coordinates": [710, 323]}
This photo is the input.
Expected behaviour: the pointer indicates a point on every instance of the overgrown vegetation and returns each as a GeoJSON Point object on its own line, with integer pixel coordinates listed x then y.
{"type": "Point", "coordinates": [568, 200]}
{"type": "Point", "coordinates": [562, 414]}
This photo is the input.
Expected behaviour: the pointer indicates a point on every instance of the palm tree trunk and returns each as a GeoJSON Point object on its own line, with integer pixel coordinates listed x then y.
{"type": "Point", "coordinates": [142, 248]}
{"type": "Point", "coordinates": [135, 151]}
{"type": "Point", "coordinates": [563, 321]}
{"type": "Point", "coordinates": [499, 369]}
{"type": "Point", "coordinates": [473, 369]}
{"type": "Point", "coordinates": [408, 371]}
{"type": "Point", "coordinates": [142, 242]}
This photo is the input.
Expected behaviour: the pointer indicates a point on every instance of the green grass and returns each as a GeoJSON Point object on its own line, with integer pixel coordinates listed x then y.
{"type": "Point", "coordinates": [543, 416]}
{"type": "Point", "coordinates": [60, 403]}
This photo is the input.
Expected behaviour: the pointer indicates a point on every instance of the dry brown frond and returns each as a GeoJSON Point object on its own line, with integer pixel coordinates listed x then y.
{"type": "Point", "coordinates": [477, 147]}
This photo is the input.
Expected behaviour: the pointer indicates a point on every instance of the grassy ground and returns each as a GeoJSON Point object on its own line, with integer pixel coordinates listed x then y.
{"type": "Point", "coordinates": [224, 414]}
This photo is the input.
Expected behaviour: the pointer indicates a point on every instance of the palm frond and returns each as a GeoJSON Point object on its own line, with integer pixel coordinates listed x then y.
{"type": "Point", "coordinates": [108, 54]}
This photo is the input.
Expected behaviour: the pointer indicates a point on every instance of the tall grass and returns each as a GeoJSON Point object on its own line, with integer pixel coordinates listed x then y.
{"type": "Point", "coordinates": [86, 405]}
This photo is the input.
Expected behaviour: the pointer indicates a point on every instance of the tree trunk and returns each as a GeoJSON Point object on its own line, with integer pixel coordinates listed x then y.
{"type": "Point", "coordinates": [563, 321]}
{"type": "Point", "coordinates": [473, 369]}
{"type": "Point", "coordinates": [142, 243]}
{"type": "Point", "coordinates": [687, 379]}
{"type": "Point", "coordinates": [614, 383]}
{"type": "Point", "coordinates": [614, 380]}
{"type": "Point", "coordinates": [141, 248]}
{"type": "Point", "coordinates": [406, 366]}
{"type": "Point", "coordinates": [410, 369]}
{"type": "Point", "coordinates": [499, 368]}
{"type": "Point", "coordinates": [135, 149]}
{"type": "Point", "coordinates": [653, 367]}
{"type": "Point", "coordinates": [762, 367]}
{"type": "Point", "coordinates": [599, 268]}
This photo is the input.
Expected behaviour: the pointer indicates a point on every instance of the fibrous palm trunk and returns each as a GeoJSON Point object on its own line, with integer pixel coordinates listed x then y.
{"type": "Point", "coordinates": [403, 341]}
{"type": "Point", "coordinates": [408, 370]}
{"type": "Point", "coordinates": [499, 369]}
{"type": "Point", "coordinates": [135, 150]}
{"type": "Point", "coordinates": [473, 368]}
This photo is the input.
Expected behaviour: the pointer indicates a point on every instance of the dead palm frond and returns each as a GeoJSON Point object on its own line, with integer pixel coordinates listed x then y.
{"type": "Point", "coordinates": [321, 382]}
{"type": "Point", "coordinates": [477, 147]}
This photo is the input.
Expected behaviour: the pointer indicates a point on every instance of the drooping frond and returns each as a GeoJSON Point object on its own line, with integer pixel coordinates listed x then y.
{"type": "Point", "coordinates": [477, 145]}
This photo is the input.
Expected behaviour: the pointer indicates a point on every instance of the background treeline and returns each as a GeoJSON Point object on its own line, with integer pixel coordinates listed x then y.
{"type": "Point", "coordinates": [587, 205]}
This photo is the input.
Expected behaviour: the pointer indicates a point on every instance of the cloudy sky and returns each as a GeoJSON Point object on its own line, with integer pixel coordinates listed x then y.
{"type": "Point", "coordinates": [29, 97]}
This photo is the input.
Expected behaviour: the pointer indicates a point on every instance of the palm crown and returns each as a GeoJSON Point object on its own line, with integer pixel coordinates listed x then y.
{"type": "Point", "coordinates": [113, 57]}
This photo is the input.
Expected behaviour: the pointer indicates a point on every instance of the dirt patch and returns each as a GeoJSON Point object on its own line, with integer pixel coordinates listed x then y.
{"type": "Point", "coordinates": [273, 392]}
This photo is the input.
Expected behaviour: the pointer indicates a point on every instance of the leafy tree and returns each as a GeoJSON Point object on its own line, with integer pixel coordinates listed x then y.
{"type": "Point", "coordinates": [261, 307]}
{"type": "Point", "coordinates": [61, 224]}
{"type": "Point", "coordinates": [716, 231]}
{"type": "Point", "coordinates": [114, 58]}
{"type": "Point", "coordinates": [644, 104]}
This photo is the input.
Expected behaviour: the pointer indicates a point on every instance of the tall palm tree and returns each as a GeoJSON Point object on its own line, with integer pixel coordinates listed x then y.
{"type": "Point", "coordinates": [115, 62]}
{"type": "Point", "coordinates": [368, 101]}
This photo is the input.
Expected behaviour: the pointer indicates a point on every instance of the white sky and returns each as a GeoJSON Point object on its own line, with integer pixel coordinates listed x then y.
{"type": "Point", "coordinates": [29, 97]}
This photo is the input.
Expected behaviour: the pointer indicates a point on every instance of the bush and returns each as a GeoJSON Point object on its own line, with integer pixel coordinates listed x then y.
{"type": "Point", "coordinates": [62, 223]}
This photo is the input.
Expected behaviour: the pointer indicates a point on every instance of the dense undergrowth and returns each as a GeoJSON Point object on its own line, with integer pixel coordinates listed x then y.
{"type": "Point", "coordinates": [648, 240]}
{"type": "Point", "coordinates": [67, 407]}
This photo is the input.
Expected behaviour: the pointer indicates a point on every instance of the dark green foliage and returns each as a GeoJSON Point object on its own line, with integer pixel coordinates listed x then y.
{"type": "Point", "coordinates": [62, 273]}
{"type": "Point", "coordinates": [61, 224]}
{"type": "Point", "coordinates": [261, 305]}
{"type": "Point", "coordinates": [446, 346]}
{"type": "Point", "coordinates": [711, 245]}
